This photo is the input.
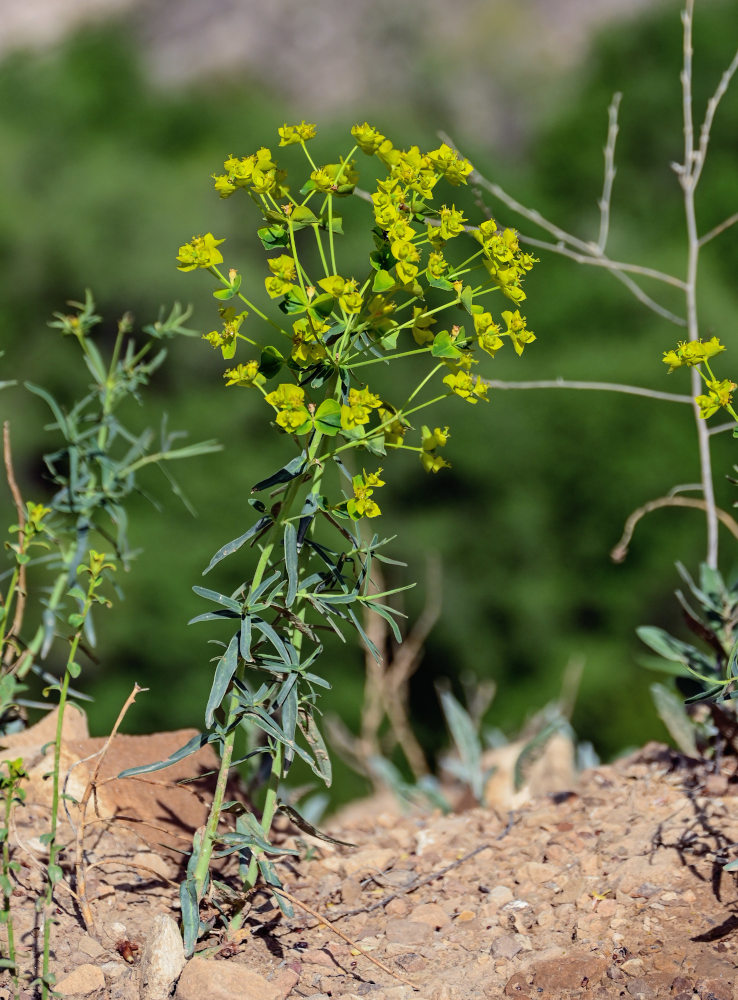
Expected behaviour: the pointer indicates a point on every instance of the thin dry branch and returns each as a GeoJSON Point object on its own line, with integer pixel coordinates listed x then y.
{"type": "Point", "coordinates": [610, 171]}
{"type": "Point", "coordinates": [620, 551]}
{"type": "Point", "coordinates": [79, 867]}
{"type": "Point", "coordinates": [325, 923]}
{"type": "Point", "coordinates": [561, 383]}
{"type": "Point", "coordinates": [386, 684]}
{"type": "Point", "coordinates": [726, 224]}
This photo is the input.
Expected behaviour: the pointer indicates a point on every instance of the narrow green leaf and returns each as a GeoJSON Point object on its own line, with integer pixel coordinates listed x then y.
{"type": "Point", "coordinates": [217, 598]}
{"type": "Point", "coordinates": [467, 741]}
{"type": "Point", "coordinates": [190, 910]}
{"type": "Point", "coordinates": [302, 824]}
{"type": "Point", "coordinates": [246, 638]}
{"type": "Point", "coordinates": [674, 716]}
{"type": "Point", "coordinates": [290, 562]}
{"type": "Point", "coordinates": [315, 741]}
{"type": "Point", "coordinates": [288, 472]}
{"type": "Point", "coordinates": [223, 675]}
{"type": "Point", "coordinates": [191, 746]}
{"type": "Point", "coordinates": [230, 547]}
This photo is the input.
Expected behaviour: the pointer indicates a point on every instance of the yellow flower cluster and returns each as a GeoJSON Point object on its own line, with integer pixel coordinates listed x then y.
{"type": "Point", "coordinates": [201, 251]}
{"type": "Point", "coordinates": [719, 394]}
{"type": "Point", "coordinates": [361, 504]}
{"type": "Point", "coordinates": [692, 352]}
{"type": "Point", "coordinates": [358, 410]}
{"type": "Point", "coordinates": [257, 172]}
{"type": "Point", "coordinates": [431, 441]}
{"type": "Point", "coordinates": [246, 375]}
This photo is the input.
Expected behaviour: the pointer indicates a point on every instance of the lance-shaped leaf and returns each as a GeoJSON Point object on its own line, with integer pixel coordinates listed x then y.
{"type": "Point", "coordinates": [315, 741]}
{"type": "Point", "coordinates": [271, 636]}
{"type": "Point", "coordinates": [290, 562]}
{"type": "Point", "coordinates": [191, 746]}
{"type": "Point", "coordinates": [223, 675]}
{"type": "Point", "coordinates": [230, 547]}
{"type": "Point", "coordinates": [302, 824]}
{"type": "Point", "coordinates": [288, 472]}
{"type": "Point", "coordinates": [217, 598]}
{"type": "Point", "coordinates": [271, 728]}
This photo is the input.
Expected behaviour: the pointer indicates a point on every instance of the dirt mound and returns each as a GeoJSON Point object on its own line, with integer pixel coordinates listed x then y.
{"type": "Point", "coordinates": [614, 888]}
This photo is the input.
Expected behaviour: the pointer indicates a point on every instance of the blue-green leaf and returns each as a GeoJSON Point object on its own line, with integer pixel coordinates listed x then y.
{"type": "Point", "coordinates": [230, 547]}
{"type": "Point", "coordinates": [288, 472]}
{"type": "Point", "coordinates": [217, 598]}
{"type": "Point", "coordinates": [223, 674]}
{"type": "Point", "coordinates": [290, 562]}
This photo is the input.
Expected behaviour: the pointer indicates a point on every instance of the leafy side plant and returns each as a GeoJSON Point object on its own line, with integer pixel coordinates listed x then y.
{"type": "Point", "coordinates": [423, 296]}
{"type": "Point", "coordinates": [57, 551]}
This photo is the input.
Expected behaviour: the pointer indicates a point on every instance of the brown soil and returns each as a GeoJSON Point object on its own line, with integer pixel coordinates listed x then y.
{"type": "Point", "coordinates": [612, 889]}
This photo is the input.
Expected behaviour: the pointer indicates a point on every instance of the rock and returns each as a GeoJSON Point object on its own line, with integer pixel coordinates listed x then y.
{"type": "Point", "coordinates": [207, 978]}
{"type": "Point", "coordinates": [162, 959]}
{"type": "Point", "coordinates": [560, 974]}
{"type": "Point", "coordinates": [113, 970]}
{"type": "Point", "coordinates": [372, 860]}
{"type": "Point", "coordinates": [85, 979]}
{"type": "Point", "coordinates": [285, 981]}
{"type": "Point", "coordinates": [90, 947]}
{"type": "Point", "coordinates": [430, 913]}
{"type": "Point", "coordinates": [714, 989]}
{"type": "Point", "coordinates": [409, 932]}
{"type": "Point", "coordinates": [150, 864]}
{"type": "Point", "coordinates": [506, 946]}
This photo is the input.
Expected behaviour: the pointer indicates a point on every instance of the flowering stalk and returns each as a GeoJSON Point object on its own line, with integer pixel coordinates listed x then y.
{"type": "Point", "coordinates": [314, 569]}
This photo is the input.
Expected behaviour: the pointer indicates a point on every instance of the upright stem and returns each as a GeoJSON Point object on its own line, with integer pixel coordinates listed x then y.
{"type": "Point", "coordinates": [689, 174]}
{"type": "Point", "coordinates": [211, 829]}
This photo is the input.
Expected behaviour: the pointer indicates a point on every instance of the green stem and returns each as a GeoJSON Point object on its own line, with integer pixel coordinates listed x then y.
{"type": "Point", "coordinates": [324, 262]}
{"type": "Point", "coordinates": [213, 821]}
{"type": "Point", "coordinates": [9, 799]}
{"type": "Point", "coordinates": [53, 873]}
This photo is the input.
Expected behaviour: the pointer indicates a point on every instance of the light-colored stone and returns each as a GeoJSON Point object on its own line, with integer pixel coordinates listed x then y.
{"type": "Point", "coordinates": [90, 947]}
{"type": "Point", "coordinates": [146, 862]}
{"type": "Point", "coordinates": [162, 959]}
{"type": "Point", "coordinates": [408, 932]}
{"type": "Point", "coordinates": [113, 970]}
{"type": "Point", "coordinates": [430, 913]}
{"type": "Point", "coordinates": [83, 980]}
{"type": "Point", "coordinates": [207, 979]}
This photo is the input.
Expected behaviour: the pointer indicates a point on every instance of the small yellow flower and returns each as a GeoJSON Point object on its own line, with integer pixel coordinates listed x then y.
{"type": "Point", "coordinates": [361, 504]}
{"type": "Point", "coordinates": [465, 385]}
{"type": "Point", "coordinates": [719, 394]}
{"type": "Point", "coordinates": [245, 375]}
{"type": "Point", "coordinates": [517, 331]}
{"type": "Point", "coordinates": [358, 410]}
{"type": "Point", "coordinates": [292, 414]}
{"type": "Point", "coordinates": [394, 430]}
{"type": "Point", "coordinates": [692, 352]}
{"type": "Point", "coordinates": [368, 139]}
{"type": "Point", "coordinates": [290, 135]}
{"type": "Point", "coordinates": [201, 251]}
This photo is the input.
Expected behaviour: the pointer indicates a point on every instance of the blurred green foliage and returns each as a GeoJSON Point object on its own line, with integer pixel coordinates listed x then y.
{"type": "Point", "coordinates": [102, 177]}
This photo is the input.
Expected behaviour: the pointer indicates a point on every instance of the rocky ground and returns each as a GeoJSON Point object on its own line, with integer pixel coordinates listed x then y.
{"type": "Point", "coordinates": [613, 888]}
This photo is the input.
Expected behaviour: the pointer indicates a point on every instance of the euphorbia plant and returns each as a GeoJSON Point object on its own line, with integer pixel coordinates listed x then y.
{"type": "Point", "coordinates": [424, 294]}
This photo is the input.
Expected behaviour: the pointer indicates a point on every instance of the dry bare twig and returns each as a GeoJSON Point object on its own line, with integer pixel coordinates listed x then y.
{"type": "Point", "coordinates": [593, 254]}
